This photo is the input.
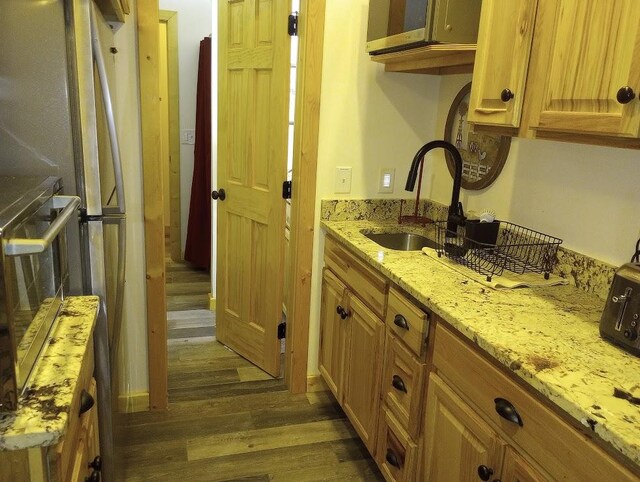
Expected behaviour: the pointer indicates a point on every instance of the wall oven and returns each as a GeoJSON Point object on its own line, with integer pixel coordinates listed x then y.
{"type": "Point", "coordinates": [33, 274]}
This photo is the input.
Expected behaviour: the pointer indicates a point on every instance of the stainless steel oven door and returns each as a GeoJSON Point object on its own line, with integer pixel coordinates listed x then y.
{"type": "Point", "coordinates": [35, 274]}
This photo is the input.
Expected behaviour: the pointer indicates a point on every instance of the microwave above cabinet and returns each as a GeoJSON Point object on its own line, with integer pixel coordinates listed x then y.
{"type": "Point", "coordinates": [404, 24]}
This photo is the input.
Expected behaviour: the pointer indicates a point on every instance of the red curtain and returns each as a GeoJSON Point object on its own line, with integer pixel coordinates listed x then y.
{"type": "Point", "coordinates": [198, 247]}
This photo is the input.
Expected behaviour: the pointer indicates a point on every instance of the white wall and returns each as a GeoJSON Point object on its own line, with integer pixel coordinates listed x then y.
{"type": "Point", "coordinates": [133, 363]}
{"type": "Point", "coordinates": [369, 119]}
{"type": "Point", "coordinates": [194, 23]}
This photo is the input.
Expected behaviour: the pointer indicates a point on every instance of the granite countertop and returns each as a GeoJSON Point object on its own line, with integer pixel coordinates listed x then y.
{"type": "Point", "coordinates": [43, 409]}
{"type": "Point", "coordinates": [548, 336]}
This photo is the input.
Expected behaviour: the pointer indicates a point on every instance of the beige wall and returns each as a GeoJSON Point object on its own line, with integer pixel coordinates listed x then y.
{"type": "Point", "coordinates": [586, 195]}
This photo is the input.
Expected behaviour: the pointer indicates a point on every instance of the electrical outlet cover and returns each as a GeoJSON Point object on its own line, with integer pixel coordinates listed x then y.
{"type": "Point", "coordinates": [387, 177]}
{"type": "Point", "coordinates": [343, 180]}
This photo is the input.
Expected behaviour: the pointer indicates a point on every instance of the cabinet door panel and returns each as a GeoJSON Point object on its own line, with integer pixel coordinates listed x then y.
{"type": "Point", "coordinates": [457, 441]}
{"type": "Point", "coordinates": [362, 373]}
{"type": "Point", "coordinates": [502, 61]}
{"type": "Point", "coordinates": [332, 333]}
{"type": "Point", "coordinates": [516, 469]}
{"type": "Point", "coordinates": [586, 52]}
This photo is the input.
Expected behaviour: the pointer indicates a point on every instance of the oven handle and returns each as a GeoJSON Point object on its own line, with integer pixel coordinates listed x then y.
{"type": "Point", "coordinates": [23, 246]}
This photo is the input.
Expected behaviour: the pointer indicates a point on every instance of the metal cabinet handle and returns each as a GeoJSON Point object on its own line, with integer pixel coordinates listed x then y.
{"type": "Point", "coordinates": [484, 472]}
{"type": "Point", "coordinates": [507, 411]}
{"type": "Point", "coordinates": [86, 402]}
{"type": "Point", "coordinates": [344, 314]}
{"type": "Point", "coordinates": [23, 246]}
{"type": "Point", "coordinates": [401, 321]}
{"type": "Point", "coordinates": [96, 464]}
{"type": "Point", "coordinates": [94, 477]}
{"type": "Point", "coordinates": [625, 95]}
{"type": "Point", "coordinates": [219, 194]}
{"type": "Point", "coordinates": [506, 95]}
{"type": "Point", "coordinates": [392, 458]}
{"type": "Point", "coordinates": [398, 384]}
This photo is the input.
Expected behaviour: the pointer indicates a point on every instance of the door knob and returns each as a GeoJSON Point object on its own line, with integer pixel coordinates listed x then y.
{"type": "Point", "coordinates": [506, 95]}
{"type": "Point", "coordinates": [484, 472]}
{"type": "Point", "coordinates": [219, 194]}
{"type": "Point", "coordinates": [625, 95]}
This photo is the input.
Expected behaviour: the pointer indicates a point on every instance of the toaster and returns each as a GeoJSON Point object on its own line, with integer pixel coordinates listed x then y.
{"type": "Point", "coordinates": [621, 317]}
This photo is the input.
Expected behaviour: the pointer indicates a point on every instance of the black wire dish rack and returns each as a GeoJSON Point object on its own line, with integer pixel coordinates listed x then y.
{"type": "Point", "coordinates": [490, 248]}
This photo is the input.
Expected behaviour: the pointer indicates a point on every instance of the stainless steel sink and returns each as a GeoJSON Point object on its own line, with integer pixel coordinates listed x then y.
{"type": "Point", "coordinates": [401, 241]}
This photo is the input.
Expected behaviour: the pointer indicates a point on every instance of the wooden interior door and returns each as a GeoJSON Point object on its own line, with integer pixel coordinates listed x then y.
{"type": "Point", "coordinates": [253, 83]}
{"type": "Point", "coordinates": [586, 53]}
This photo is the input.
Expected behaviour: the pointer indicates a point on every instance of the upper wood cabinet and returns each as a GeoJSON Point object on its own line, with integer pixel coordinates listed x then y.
{"type": "Point", "coordinates": [502, 60]}
{"type": "Point", "coordinates": [588, 56]}
{"type": "Point", "coordinates": [566, 69]}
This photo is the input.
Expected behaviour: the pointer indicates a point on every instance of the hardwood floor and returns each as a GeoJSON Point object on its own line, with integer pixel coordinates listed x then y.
{"type": "Point", "coordinates": [229, 421]}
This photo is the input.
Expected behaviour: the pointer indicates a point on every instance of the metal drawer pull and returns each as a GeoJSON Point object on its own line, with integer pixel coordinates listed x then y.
{"type": "Point", "coordinates": [401, 321]}
{"type": "Point", "coordinates": [22, 246]}
{"type": "Point", "coordinates": [507, 411]}
{"type": "Point", "coordinates": [344, 314]}
{"type": "Point", "coordinates": [398, 384]}
{"type": "Point", "coordinates": [86, 402]}
{"type": "Point", "coordinates": [392, 458]}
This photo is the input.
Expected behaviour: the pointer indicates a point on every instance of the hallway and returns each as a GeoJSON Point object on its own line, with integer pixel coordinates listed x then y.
{"type": "Point", "coordinates": [229, 421]}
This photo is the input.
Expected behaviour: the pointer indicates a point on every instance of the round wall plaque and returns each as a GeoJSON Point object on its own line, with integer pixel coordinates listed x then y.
{"type": "Point", "coordinates": [483, 155]}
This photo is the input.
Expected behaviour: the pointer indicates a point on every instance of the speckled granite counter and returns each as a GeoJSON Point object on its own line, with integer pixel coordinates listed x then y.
{"type": "Point", "coordinates": [548, 337]}
{"type": "Point", "coordinates": [41, 418]}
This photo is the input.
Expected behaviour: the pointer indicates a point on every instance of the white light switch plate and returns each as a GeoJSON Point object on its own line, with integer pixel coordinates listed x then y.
{"type": "Point", "coordinates": [188, 136]}
{"type": "Point", "coordinates": [343, 180]}
{"type": "Point", "coordinates": [387, 177]}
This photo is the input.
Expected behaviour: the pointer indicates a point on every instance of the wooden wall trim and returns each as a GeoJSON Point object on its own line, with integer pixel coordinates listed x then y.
{"type": "Point", "coordinates": [305, 158]}
{"type": "Point", "coordinates": [148, 26]}
{"type": "Point", "coordinates": [175, 230]}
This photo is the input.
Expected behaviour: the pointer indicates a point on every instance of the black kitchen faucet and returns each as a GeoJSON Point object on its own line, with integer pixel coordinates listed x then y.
{"type": "Point", "coordinates": [456, 216]}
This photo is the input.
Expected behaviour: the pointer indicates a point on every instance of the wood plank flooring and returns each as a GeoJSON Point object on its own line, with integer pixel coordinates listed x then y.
{"type": "Point", "coordinates": [229, 421]}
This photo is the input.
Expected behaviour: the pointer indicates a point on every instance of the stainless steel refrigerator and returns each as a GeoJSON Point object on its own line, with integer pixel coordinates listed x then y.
{"type": "Point", "coordinates": [56, 118]}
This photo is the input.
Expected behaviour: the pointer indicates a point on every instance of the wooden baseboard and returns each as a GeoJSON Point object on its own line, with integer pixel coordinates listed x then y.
{"type": "Point", "coordinates": [212, 303]}
{"type": "Point", "coordinates": [133, 402]}
{"type": "Point", "coordinates": [315, 383]}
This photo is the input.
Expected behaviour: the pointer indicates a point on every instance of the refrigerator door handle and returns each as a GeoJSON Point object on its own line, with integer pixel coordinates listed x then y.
{"type": "Point", "coordinates": [23, 246]}
{"type": "Point", "coordinates": [108, 107]}
{"type": "Point", "coordinates": [120, 280]}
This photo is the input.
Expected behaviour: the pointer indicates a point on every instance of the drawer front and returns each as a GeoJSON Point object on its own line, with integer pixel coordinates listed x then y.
{"type": "Point", "coordinates": [403, 385]}
{"type": "Point", "coordinates": [66, 450]}
{"type": "Point", "coordinates": [563, 451]}
{"type": "Point", "coordinates": [408, 322]}
{"type": "Point", "coordinates": [396, 455]}
{"type": "Point", "coordinates": [367, 284]}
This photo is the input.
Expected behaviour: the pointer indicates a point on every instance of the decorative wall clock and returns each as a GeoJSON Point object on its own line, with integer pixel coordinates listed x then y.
{"type": "Point", "coordinates": [483, 155]}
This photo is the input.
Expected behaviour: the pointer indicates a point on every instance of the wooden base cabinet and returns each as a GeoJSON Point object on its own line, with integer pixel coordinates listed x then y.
{"type": "Point", "coordinates": [351, 354]}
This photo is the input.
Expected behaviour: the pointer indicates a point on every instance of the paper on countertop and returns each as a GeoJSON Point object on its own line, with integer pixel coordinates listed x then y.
{"type": "Point", "coordinates": [507, 280]}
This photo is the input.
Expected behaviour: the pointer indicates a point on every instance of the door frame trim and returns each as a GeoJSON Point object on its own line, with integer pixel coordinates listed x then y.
{"type": "Point", "coordinates": [170, 17]}
{"type": "Point", "coordinates": [303, 202]}
{"type": "Point", "coordinates": [311, 35]}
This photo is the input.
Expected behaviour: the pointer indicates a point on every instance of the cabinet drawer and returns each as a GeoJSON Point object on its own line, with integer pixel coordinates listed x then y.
{"type": "Point", "coordinates": [402, 385]}
{"type": "Point", "coordinates": [563, 451]}
{"type": "Point", "coordinates": [370, 286]}
{"type": "Point", "coordinates": [396, 455]}
{"type": "Point", "coordinates": [408, 322]}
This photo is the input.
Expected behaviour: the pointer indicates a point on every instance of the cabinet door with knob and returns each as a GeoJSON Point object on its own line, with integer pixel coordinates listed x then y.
{"type": "Point", "coordinates": [459, 446]}
{"type": "Point", "coordinates": [517, 469]}
{"type": "Point", "coordinates": [363, 365]}
{"type": "Point", "coordinates": [502, 61]}
{"type": "Point", "coordinates": [585, 72]}
{"type": "Point", "coordinates": [333, 329]}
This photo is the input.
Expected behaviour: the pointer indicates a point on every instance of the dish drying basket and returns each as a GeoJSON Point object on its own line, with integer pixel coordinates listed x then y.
{"type": "Point", "coordinates": [490, 248]}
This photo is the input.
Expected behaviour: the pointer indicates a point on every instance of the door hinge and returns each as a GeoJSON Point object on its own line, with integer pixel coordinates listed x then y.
{"type": "Point", "coordinates": [286, 190]}
{"type": "Point", "coordinates": [293, 24]}
{"type": "Point", "coordinates": [282, 330]}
